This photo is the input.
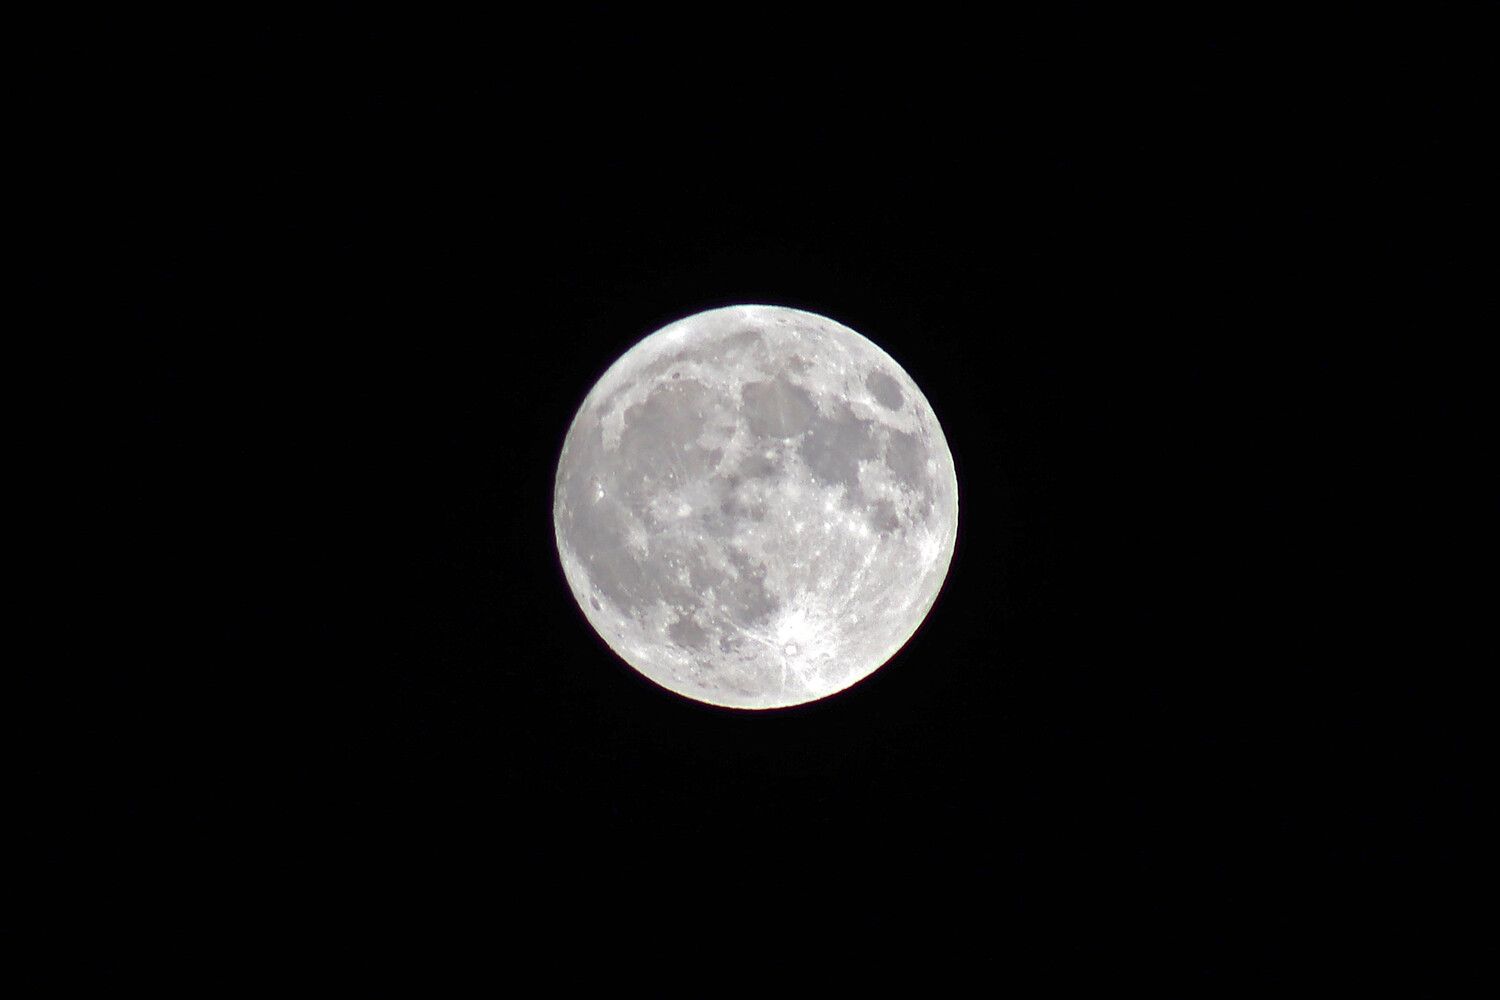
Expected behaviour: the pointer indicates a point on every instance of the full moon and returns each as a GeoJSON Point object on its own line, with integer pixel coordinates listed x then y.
{"type": "Point", "coordinates": [755, 507]}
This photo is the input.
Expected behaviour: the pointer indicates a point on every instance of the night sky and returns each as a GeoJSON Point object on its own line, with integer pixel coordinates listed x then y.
{"type": "Point", "coordinates": [1183, 294]}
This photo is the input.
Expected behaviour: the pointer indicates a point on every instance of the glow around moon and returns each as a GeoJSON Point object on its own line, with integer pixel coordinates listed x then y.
{"type": "Point", "coordinates": [755, 507]}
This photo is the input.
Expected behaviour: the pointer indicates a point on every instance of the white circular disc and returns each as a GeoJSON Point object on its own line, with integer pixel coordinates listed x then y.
{"type": "Point", "coordinates": [755, 507]}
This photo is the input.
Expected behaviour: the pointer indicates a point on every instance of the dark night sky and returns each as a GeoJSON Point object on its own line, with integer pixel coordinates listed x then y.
{"type": "Point", "coordinates": [1181, 293]}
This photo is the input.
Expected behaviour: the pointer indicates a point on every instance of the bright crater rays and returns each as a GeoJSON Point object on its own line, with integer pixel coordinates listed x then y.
{"type": "Point", "coordinates": [755, 507]}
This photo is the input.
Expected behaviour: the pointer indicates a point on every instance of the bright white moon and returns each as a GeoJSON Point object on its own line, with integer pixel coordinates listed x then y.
{"type": "Point", "coordinates": [755, 507]}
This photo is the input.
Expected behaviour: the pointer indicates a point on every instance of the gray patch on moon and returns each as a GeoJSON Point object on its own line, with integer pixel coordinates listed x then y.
{"type": "Point", "coordinates": [834, 447]}
{"type": "Point", "coordinates": [739, 522]}
{"type": "Point", "coordinates": [744, 596]}
{"type": "Point", "coordinates": [883, 517]}
{"type": "Point", "coordinates": [906, 456]}
{"type": "Point", "coordinates": [686, 632]}
{"type": "Point", "coordinates": [777, 408]}
{"type": "Point", "coordinates": [885, 390]}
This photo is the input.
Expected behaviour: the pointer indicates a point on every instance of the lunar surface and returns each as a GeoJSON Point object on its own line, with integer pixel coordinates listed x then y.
{"type": "Point", "coordinates": [755, 507]}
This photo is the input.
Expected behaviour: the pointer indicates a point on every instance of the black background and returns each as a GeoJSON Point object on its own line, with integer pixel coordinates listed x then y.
{"type": "Point", "coordinates": [1183, 296]}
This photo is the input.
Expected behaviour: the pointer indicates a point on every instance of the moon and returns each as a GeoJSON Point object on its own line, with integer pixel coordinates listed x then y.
{"type": "Point", "coordinates": [755, 507]}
